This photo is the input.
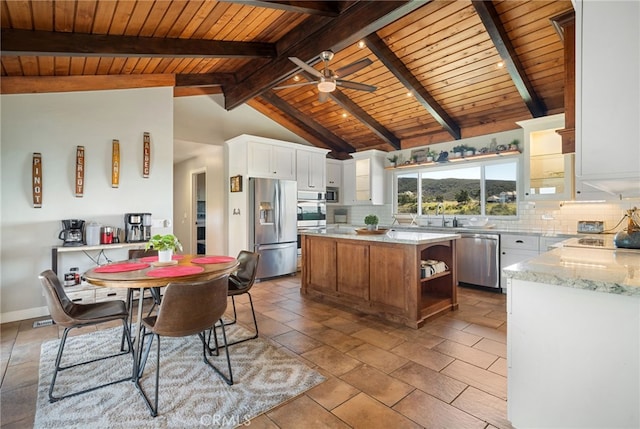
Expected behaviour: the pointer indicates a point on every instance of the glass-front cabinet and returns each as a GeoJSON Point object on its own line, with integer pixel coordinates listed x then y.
{"type": "Point", "coordinates": [548, 173]}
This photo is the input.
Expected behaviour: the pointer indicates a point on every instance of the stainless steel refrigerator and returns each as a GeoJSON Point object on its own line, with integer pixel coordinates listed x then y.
{"type": "Point", "coordinates": [273, 225]}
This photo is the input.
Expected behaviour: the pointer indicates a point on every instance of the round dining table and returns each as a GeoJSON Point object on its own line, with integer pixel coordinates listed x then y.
{"type": "Point", "coordinates": [148, 272]}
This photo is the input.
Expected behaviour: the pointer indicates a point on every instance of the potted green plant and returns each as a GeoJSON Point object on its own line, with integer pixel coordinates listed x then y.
{"type": "Point", "coordinates": [458, 150]}
{"type": "Point", "coordinates": [431, 155]}
{"type": "Point", "coordinates": [469, 150]}
{"type": "Point", "coordinates": [371, 221]}
{"type": "Point", "coordinates": [393, 159]}
{"type": "Point", "coordinates": [166, 245]}
{"type": "Point", "coordinates": [514, 144]}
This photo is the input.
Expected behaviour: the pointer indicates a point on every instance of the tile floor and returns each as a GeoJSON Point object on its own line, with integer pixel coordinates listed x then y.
{"type": "Point", "coordinates": [449, 374]}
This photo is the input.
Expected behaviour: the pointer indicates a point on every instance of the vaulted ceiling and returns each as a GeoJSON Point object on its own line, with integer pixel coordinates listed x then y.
{"type": "Point", "coordinates": [443, 70]}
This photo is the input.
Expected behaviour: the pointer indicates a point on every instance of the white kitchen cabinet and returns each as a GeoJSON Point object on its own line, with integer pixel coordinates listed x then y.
{"type": "Point", "coordinates": [311, 169]}
{"type": "Point", "coordinates": [364, 178]}
{"type": "Point", "coordinates": [272, 161]}
{"type": "Point", "coordinates": [548, 173]}
{"type": "Point", "coordinates": [348, 182]}
{"type": "Point", "coordinates": [334, 173]}
{"type": "Point", "coordinates": [608, 96]}
{"type": "Point", "coordinates": [516, 248]}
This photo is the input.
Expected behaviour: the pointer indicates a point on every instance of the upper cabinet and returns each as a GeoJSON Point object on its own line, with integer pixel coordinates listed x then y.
{"type": "Point", "coordinates": [548, 173]}
{"type": "Point", "coordinates": [364, 178]}
{"type": "Point", "coordinates": [608, 96]}
{"type": "Point", "coordinates": [311, 169]}
{"type": "Point", "coordinates": [272, 161]}
{"type": "Point", "coordinates": [334, 173]}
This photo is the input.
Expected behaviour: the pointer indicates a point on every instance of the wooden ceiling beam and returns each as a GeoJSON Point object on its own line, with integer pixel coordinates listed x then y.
{"type": "Point", "coordinates": [321, 8]}
{"type": "Point", "coordinates": [355, 23]}
{"type": "Point", "coordinates": [205, 79]}
{"type": "Point", "coordinates": [358, 113]}
{"type": "Point", "coordinates": [491, 21]}
{"type": "Point", "coordinates": [48, 43]}
{"type": "Point", "coordinates": [44, 84]}
{"type": "Point", "coordinates": [188, 91]}
{"type": "Point", "coordinates": [334, 142]}
{"type": "Point", "coordinates": [404, 75]}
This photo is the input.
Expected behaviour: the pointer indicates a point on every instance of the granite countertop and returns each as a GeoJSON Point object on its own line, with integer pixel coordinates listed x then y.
{"type": "Point", "coordinates": [392, 236]}
{"type": "Point", "coordinates": [456, 230]}
{"type": "Point", "coordinates": [599, 269]}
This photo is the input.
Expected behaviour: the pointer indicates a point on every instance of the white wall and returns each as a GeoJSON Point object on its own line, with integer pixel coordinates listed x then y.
{"type": "Point", "coordinates": [201, 126]}
{"type": "Point", "coordinates": [54, 124]}
{"type": "Point", "coordinates": [211, 163]}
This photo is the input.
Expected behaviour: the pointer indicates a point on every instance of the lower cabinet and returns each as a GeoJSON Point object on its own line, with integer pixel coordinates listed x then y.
{"type": "Point", "coordinates": [87, 294]}
{"type": "Point", "coordinates": [516, 248]}
{"type": "Point", "coordinates": [352, 276]}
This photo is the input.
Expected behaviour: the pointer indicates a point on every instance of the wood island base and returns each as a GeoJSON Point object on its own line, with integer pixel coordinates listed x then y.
{"type": "Point", "coordinates": [381, 276]}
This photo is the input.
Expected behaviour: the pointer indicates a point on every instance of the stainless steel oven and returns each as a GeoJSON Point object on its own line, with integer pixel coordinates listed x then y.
{"type": "Point", "coordinates": [312, 213]}
{"type": "Point", "coordinates": [312, 209]}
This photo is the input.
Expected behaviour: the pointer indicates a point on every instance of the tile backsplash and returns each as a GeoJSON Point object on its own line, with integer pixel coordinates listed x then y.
{"type": "Point", "coordinates": [545, 217]}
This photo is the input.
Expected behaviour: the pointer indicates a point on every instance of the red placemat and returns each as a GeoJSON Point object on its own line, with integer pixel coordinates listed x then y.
{"type": "Point", "coordinates": [155, 258]}
{"type": "Point", "coordinates": [174, 271]}
{"type": "Point", "coordinates": [121, 268]}
{"type": "Point", "coordinates": [212, 259]}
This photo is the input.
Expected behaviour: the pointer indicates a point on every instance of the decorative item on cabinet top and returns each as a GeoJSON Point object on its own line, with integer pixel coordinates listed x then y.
{"type": "Point", "coordinates": [476, 157]}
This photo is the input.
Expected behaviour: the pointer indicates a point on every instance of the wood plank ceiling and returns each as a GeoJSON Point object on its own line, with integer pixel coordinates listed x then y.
{"type": "Point", "coordinates": [443, 69]}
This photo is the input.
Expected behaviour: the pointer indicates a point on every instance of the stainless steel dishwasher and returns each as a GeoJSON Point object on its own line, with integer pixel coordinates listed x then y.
{"type": "Point", "coordinates": [478, 260]}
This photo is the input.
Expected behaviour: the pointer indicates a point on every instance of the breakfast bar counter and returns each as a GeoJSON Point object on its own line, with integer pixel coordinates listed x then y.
{"type": "Point", "coordinates": [573, 339]}
{"type": "Point", "coordinates": [381, 274]}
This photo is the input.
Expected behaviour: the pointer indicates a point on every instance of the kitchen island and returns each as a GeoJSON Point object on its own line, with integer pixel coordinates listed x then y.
{"type": "Point", "coordinates": [573, 339]}
{"type": "Point", "coordinates": [380, 274]}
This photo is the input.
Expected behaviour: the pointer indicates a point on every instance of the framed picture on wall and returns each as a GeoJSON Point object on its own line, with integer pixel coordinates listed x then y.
{"type": "Point", "coordinates": [236, 183]}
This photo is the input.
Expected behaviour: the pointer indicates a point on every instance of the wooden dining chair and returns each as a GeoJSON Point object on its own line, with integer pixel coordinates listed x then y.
{"type": "Point", "coordinates": [69, 315]}
{"type": "Point", "coordinates": [186, 309]}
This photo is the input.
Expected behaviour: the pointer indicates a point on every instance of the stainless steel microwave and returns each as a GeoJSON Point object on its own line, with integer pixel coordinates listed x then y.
{"type": "Point", "coordinates": [332, 195]}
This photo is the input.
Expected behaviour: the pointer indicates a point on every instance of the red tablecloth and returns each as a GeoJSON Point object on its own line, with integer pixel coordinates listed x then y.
{"type": "Point", "coordinates": [155, 258]}
{"type": "Point", "coordinates": [212, 259]}
{"type": "Point", "coordinates": [176, 271]}
{"type": "Point", "coordinates": [121, 268]}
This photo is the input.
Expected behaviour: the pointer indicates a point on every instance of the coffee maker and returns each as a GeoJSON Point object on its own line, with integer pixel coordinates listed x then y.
{"type": "Point", "coordinates": [137, 227]}
{"type": "Point", "coordinates": [72, 232]}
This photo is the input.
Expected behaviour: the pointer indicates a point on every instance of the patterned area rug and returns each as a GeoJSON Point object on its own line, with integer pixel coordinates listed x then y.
{"type": "Point", "coordinates": [192, 395]}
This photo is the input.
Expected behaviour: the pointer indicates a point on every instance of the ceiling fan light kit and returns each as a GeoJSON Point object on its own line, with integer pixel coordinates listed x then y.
{"type": "Point", "coordinates": [326, 85]}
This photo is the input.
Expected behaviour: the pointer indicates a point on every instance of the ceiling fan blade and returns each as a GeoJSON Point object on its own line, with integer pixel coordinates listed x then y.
{"type": "Point", "coordinates": [355, 85]}
{"type": "Point", "coordinates": [304, 66]}
{"type": "Point", "coordinates": [323, 96]}
{"type": "Point", "coordinates": [353, 67]}
{"type": "Point", "coordinates": [293, 85]}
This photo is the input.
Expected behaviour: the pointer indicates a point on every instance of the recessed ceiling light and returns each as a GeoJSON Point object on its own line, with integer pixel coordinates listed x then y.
{"type": "Point", "coordinates": [296, 78]}
{"type": "Point", "coordinates": [500, 65]}
{"type": "Point", "coordinates": [409, 94]}
{"type": "Point", "coordinates": [344, 115]}
{"type": "Point", "coordinates": [361, 44]}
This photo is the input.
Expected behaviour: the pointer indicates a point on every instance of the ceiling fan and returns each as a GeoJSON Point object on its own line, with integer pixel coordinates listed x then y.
{"type": "Point", "coordinates": [327, 79]}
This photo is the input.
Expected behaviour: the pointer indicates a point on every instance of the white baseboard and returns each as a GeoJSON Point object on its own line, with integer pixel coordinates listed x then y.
{"type": "Point", "coordinates": [29, 313]}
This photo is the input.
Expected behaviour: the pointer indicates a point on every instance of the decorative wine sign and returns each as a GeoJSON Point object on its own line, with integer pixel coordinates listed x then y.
{"type": "Point", "coordinates": [36, 180]}
{"type": "Point", "coordinates": [146, 155]}
{"type": "Point", "coordinates": [80, 171]}
{"type": "Point", "coordinates": [115, 164]}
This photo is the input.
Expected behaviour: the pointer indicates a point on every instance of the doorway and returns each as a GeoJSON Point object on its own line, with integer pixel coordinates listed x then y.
{"type": "Point", "coordinates": [199, 180]}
